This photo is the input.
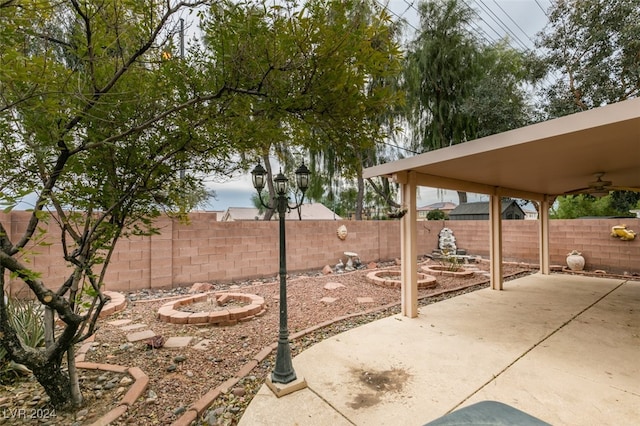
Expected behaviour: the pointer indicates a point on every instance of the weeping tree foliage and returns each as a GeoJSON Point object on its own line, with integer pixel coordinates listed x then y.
{"type": "Point", "coordinates": [593, 45]}
{"type": "Point", "coordinates": [312, 66]}
{"type": "Point", "coordinates": [457, 88]}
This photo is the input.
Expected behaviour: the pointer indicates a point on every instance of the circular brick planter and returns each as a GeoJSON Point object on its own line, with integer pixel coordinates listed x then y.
{"type": "Point", "coordinates": [391, 279]}
{"type": "Point", "coordinates": [254, 306]}
{"type": "Point", "coordinates": [446, 272]}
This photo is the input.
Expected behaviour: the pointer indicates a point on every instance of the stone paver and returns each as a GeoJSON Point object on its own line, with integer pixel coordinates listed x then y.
{"type": "Point", "coordinates": [328, 300]}
{"type": "Point", "coordinates": [363, 300]}
{"type": "Point", "coordinates": [203, 345]}
{"type": "Point", "coordinates": [333, 286]}
{"type": "Point", "coordinates": [118, 323]}
{"type": "Point", "coordinates": [140, 335]}
{"type": "Point", "coordinates": [177, 342]}
{"type": "Point", "coordinates": [133, 327]}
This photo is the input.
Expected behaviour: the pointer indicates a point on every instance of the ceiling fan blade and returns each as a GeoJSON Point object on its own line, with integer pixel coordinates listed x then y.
{"type": "Point", "coordinates": [578, 191]}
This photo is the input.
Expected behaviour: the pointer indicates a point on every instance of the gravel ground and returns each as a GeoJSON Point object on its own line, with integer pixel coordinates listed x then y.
{"type": "Point", "coordinates": [180, 377]}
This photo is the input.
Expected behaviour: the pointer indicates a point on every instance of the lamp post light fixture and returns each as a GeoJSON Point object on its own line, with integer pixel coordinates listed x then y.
{"type": "Point", "coordinates": [283, 371]}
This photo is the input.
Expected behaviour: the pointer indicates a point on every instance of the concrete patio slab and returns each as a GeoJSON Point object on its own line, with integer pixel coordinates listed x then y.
{"type": "Point", "coordinates": [562, 348]}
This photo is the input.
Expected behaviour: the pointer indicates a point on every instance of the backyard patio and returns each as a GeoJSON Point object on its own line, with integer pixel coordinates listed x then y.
{"type": "Point", "coordinates": [563, 348]}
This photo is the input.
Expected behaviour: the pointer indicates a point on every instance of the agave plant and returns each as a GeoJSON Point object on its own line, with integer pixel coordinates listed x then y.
{"type": "Point", "coordinates": [27, 318]}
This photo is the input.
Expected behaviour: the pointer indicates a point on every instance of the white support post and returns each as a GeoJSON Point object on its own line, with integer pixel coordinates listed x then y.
{"type": "Point", "coordinates": [409, 251]}
{"type": "Point", "coordinates": [495, 251]}
{"type": "Point", "coordinates": [545, 204]}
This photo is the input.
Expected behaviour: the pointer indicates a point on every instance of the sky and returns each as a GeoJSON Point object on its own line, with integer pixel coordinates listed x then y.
{"type": "Point", "coordinates": [519, 20]}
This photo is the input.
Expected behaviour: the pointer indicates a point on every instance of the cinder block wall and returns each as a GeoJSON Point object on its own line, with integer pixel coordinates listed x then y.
{"type": "Point", "coordinates": [207, 250]}
{"type": "Point", "coordinates": [591, 237]}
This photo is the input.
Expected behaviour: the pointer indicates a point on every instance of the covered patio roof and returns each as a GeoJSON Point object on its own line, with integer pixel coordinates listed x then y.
{"type": "Point", "coordinates": [537, 162]}
{"type": "Point", "coordinates": [551, 158]}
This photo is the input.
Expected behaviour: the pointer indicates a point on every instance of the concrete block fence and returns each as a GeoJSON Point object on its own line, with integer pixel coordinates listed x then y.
{"type": "Point", "coordinates": [212, 251]}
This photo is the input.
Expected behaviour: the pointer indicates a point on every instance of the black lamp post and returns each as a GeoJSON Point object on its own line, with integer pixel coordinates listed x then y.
{"type": "Point", "coordinates": [283, 371]}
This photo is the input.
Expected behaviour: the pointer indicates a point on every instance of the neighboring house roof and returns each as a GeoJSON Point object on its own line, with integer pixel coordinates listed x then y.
{"type": "Point", "coordinates": [444, 206]}
{"type": "Point", "coordinates": [480, 208]}
{"type": "Point", "coordinates": [310, 211]}
{"type": "Point", "coordinates": [241, 213]}
{"type": "Point", "coordinates": [313, 211]}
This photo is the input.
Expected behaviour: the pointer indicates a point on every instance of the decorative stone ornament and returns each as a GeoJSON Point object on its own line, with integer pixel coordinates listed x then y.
{"type": "Point", "coordinates": [342, 232]}
{"type": "Point", "coordinates": [622, 232]}
{"type": "Point", "coordinates": [575, 261]}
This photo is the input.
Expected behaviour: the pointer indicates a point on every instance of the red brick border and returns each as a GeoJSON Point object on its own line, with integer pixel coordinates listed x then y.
{"type": "Point", "coordinates": [254, 307]}
{"type": "Point", "coordinates": [141, 381]}
{"type": "Point", "coordinates": [424, 280]}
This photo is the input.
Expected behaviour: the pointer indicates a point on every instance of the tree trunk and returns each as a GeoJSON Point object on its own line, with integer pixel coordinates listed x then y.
{"type": "Point", "coordinates": [462, 197]}
{"type": "Point", "coordinates": [268, 214]}
{"type": "Point", "coordinates": [55, 382]}
{"type": "Point", "coordinates": [74, 381]}
{"type": "Point", "coordinates": [360, 199]}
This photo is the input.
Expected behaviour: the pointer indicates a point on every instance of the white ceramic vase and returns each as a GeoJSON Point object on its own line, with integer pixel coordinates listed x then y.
{"type": "Point", "coordinates": [575, 261]}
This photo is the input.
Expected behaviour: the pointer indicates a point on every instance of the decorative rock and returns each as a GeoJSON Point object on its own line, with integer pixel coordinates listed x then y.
{"type": "Point", "coordinates": [126, 346]}
{"type": "Point", "coordinates": [328, 300]}
{"type": "Point", "coordinates": [202, 345]}
{"type": "Point", "coordinates": [172, 368]}
{"type": "Point", "coordinates": [201, 288]}
{"type": "Point", "coordinates": [126, 380]}
{"type": "Point", "coordinates": [327, 270]}
{"type": "Point", "coordinates": [155, 342]}
{"type": "Point", "coordinates": [372, 265]}
{"type": "Point", "coordinates": [446, 241]}
{"type": "Point", "coordinates": [179, 358]}
{"type": "Point", "coordinates": [238, 391]}
{"type": "Point", "coordinates": [179, 410]}
{"type": "Point", "coordinates": [363, 300]}
{"type": "Point", "coordinates": [333, 286]}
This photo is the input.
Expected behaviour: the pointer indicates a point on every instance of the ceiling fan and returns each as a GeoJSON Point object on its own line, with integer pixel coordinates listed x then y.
{"type": "Point", "coordinates": [600, 188]}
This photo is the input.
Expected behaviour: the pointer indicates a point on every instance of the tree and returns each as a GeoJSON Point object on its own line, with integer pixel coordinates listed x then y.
{"type": "Point", "coordinates": [97, 125]}
{"type": "Point", "coordinates": [575, 206]}
{"type": "Point", "coordinates": [593, 45]}
{"type": "Point", "coordinates": [457, 88]}
{"type": "Point", "coordinates": [109, 131]}
{"type": "Point", "coordinates": [436, 215]}
{"type": "Point", "coordinates": [313, 66]}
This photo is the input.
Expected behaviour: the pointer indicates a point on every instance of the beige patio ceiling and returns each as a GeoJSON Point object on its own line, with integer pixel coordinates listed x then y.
{"type": "Point", "coordinates": [552, 157]}
{"type": "Point", "coordinates": [536, 162]}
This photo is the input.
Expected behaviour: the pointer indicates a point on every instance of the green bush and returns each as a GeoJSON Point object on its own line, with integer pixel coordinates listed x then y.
{"type": "Point", "coordinates": [27, 318]}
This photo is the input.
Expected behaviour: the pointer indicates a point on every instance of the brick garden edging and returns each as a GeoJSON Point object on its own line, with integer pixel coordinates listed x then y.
{"type": "Point", "coordinates": [115, 304]}
{"type": "Point", "coordinates": [141, 381]}
{"type": "Point", "coordinates": [254, 307]}
{"type": "Point", "coordinates": [424, 280]}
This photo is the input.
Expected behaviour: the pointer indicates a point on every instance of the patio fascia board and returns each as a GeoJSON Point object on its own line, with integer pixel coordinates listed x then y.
{"type": "Point", "coordinates": [423, 179]}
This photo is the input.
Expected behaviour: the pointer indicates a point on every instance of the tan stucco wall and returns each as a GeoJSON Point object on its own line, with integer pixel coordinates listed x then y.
{"type": "Point", "coordinates": [208, 250]}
